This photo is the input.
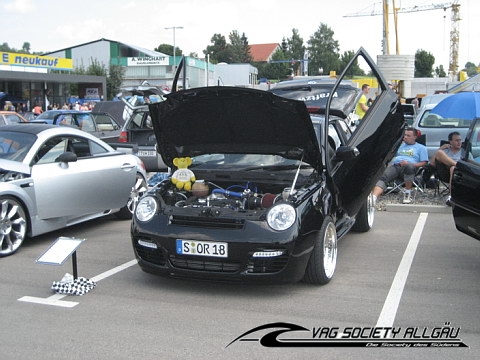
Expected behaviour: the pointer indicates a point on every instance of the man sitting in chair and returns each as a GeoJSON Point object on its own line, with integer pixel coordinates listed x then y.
{"type": "Point", "coordinates": [446, 157]}
{"type": "Point", "coordinates": [409, 157]}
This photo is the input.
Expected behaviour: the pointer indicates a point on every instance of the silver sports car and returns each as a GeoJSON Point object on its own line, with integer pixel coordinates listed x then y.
{"type": "Point", "coordinates": [56, 176]}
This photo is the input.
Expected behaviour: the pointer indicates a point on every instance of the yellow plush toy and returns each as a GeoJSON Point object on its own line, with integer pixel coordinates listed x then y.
{"type": "Point", "coordinates": [183, 178]}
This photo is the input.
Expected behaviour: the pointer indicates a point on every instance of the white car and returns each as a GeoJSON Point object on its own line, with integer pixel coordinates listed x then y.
{"type": "Point", "coordinates": [436, 129]}
{"type": "Point", "coordinates": [52, 177]}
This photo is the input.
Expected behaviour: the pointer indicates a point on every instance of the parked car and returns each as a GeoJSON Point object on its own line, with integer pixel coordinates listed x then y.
{"type": "Point", "coordinates": [465, 187]}
{"type": "Point", "coordinates": [315, 91]}
{"type": "Point", "coordinates": [435, 128]}
{"type": "Point", "coordinates": [274, 186]}
{"type": "Point", "coordinates": [432, 99]}
{"type": "Point", "coordinates": [11, 117]}
{"type": "Point", "coordinates": [409, 113]}
{"type": "Point", "coordinates": [137, 134]}
{"type": "Point", "coordinates": [99, 124]}
{"type": "Point", "coordinates": [56, 176]}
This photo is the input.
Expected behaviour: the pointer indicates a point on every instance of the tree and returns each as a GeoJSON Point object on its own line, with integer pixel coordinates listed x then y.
{"type": "Point", "coordinates": [295, 50]}
{"type": "Point", "coordinates": [440, 71]}
{"type": "Point", "coordinates": [168, 50]}
{"type": "Point", "coordinates": [237, 51]}
{"type": "Point", "coordinates": [471, 69]}
{"type": "Point", "coordinates": [355, 70]}
{"type": "Point", "coordinates": [26, 47]}
{"type": "Point", "coordinates": [424, 64]}
{"type": "Point", "coordinates": [240, 48]}
{"type": "Point", "coordinates": [275, 70]}
{"type": "Point", "coordinates": [323, 51]}
{"type": "Point", "coordinates": [115, 78]}
{"type": "Point", "coordinates": [217, 51]}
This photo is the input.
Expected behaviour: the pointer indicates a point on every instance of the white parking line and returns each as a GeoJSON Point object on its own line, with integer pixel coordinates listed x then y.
{"type": "Point", "coordinates": [56, 300]}
{"type": "Point", "coordinates": [389, 311]}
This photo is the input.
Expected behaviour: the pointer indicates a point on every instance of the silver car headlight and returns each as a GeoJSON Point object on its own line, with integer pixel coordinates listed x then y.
{"type": "Point", "coordinates": [281, 217]}
{"type": "Point", "coordinates": [146, 208]}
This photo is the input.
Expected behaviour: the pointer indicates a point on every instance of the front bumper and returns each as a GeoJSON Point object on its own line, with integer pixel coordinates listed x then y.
{"type": "Point", "coordinates": [156, 253]}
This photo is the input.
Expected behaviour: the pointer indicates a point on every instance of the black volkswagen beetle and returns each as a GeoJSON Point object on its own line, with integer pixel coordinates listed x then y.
{"type": "Point", "coordinates": [275, 186]}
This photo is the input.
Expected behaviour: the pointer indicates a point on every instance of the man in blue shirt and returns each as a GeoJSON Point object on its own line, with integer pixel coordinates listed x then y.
{"type": "Point", "coordinates": [410, 156]}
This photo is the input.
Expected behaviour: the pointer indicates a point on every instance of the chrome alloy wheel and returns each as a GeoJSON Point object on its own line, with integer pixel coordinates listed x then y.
{"type": "Point", "coordinates": [370, 210]}
{"type": "Point", "coordinates": [138, 190]}
{"type": "Point", "coordinates": [330, 250]}
{"type": "Point", "coordinates": [13, 225]}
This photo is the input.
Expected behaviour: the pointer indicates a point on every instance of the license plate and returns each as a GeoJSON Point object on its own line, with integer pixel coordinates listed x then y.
{"type": "Point", "coordinates": [148, 153]}
{"type": "Point", "coordinates": [202, 248]}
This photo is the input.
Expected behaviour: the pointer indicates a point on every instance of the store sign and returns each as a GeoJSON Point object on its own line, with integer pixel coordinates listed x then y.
{"type": "Point", "coordinates": [91, 93]}
{"type": "Point", "coordinates": [37, 61]}
{"type": "Point", "coordinates": [147, 60]}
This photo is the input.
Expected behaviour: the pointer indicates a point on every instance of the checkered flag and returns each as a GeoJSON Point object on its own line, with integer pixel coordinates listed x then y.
{"type": "Point", "coordinates": [70, 286]}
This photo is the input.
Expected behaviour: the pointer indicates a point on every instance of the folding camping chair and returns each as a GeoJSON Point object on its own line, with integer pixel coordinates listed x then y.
{"type": "Point", "coordinates": [418, 180]}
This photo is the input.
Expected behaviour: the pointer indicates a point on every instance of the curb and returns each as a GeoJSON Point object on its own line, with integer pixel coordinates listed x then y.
{"type": "Point", "coordinates": [442, 209]}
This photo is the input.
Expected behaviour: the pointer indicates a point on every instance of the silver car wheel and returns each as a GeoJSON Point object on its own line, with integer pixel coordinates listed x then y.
{"type": "Point", "coordinates": [138, 189]}
{"type": "Point", "coordinates": [13, 225]}
{"type": "Point", "coordinates": [370, 210]}
{"type": "Point", "coordinates": [330, 250]}
{"type": "Point", "coordinates": [323, 260]}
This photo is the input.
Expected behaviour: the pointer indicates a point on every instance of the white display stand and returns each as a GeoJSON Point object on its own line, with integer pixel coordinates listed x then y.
{"type": "Point", "coordinates": [59, 251]}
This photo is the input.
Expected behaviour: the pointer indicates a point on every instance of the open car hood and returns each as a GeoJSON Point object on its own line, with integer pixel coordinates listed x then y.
{"type": "Point", "coordinates": [233, 120]}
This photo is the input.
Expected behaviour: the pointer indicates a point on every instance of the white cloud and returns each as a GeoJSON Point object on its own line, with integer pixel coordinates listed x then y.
{"type": "Point", "coordinates": [20, 6]}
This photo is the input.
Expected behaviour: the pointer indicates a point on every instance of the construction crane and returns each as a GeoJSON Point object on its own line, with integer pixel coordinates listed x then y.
{"type": "Point", "coordinates": [385, 12]}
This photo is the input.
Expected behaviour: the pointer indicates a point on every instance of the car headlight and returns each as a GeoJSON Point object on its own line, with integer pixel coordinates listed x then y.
{"type": "Point", "coordinates": [281, 217]}
{"type": "Point", "coordinates": [146, 208]}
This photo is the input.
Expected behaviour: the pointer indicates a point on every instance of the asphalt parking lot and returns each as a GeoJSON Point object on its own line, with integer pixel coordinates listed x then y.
{"type": "Point", "coordinates": [412, 271]}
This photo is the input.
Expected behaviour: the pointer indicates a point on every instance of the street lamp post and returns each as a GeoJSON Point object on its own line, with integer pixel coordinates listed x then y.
{"type": "Point", "coordinates": [174, 57]}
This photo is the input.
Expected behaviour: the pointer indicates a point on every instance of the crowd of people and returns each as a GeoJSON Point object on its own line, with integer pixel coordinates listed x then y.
{"type": "Point", "coordinates": [37, 109]}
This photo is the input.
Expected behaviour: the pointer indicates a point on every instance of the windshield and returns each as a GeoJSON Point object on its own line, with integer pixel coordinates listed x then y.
{"type": "Point", "coordinates": [432, 120]}
{"type": "Point", "coordinates": [48, 115]}
{"type": "Point", "coordinates": [244, 161]}
{"type": "Point", "coordinates": [15, 145]}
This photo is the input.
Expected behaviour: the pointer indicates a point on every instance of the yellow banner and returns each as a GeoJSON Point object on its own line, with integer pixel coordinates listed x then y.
{"type": "Point", "coordinates": [35, 61]}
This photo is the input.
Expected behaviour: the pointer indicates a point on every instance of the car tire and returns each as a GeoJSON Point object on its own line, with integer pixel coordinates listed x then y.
{"type": "Point", "coordinates": [365, 217]}
{"type": "Point", "coordinates": [14, 225]}
{"type": "Point", "coordinates": [137, 192]}
{"type": "Point", "coordinates": [323, 260]}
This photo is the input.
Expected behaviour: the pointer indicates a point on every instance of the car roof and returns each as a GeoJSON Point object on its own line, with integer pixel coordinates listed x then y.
{"type": "Point", "coordinates": [316, 91]}
{"type": "Point", "coordinates": [37, 128]}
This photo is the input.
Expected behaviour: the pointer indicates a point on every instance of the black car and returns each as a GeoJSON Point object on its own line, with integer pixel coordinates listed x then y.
{"type": "Point", "coordinates": [275, 186]}
{"type": "Point", "coordinates": [465, 187]}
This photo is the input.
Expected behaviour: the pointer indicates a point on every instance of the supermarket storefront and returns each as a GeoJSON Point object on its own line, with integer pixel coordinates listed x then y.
{"type": "Point", "coordinates": [44, 80]}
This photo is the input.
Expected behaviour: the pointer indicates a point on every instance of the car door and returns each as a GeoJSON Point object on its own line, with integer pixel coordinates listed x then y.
{"type": "Point", "coordinates": [98, 181]}
{"type": "Point", "coordinates": [361, 161]}
{"type": "Point", "coordinates": [465, 187]}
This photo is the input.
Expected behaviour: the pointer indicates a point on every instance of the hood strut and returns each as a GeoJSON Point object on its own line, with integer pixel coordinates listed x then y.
{"type": "Point", "coordinates": [296, 176]}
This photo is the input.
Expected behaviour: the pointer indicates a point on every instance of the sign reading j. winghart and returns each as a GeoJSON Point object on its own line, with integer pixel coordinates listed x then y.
{"type": "Point", "coordinates": [281, 334]}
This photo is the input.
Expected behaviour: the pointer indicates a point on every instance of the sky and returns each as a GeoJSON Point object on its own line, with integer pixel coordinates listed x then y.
{"type": "Point", "coordinates": [50, 25]}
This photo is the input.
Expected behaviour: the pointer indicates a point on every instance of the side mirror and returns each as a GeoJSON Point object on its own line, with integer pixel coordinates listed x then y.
{"type": "Point", "coordinates": [345, 153]}
{"type": "Point", "coordinates": [67, 157]}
